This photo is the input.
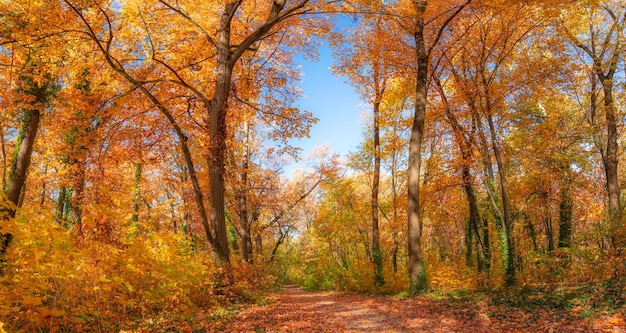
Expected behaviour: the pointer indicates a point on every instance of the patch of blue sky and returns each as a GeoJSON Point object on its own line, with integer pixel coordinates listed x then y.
{"type": "Point", "coordinates": [333, 100]}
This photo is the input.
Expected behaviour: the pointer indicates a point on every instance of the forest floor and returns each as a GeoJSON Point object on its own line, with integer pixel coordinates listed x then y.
{"type": "Point", "coordinates": [294, 310]}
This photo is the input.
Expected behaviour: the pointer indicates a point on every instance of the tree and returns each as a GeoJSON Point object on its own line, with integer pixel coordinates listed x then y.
{"type": "Point", "coordinates": [395, 125]}
{"type": "Point", "coordinates": [367, 62]}
{"type": "Point", "coordinates": [38, 92]}
{"type": "Point", "coordinates": [33, 93]}
{"type": "Point", "coordinates": [215, 54]}
{"type": "Point", "coordinates": [417, 26]}
{"type": "Point", "coordinates": [464, 140]}
{"type": "Point", "coordinates": [602, 43]}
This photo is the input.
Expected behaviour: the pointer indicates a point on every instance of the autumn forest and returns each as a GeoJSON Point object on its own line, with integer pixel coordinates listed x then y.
{"type": "Point", "coordinates": [145, 145]}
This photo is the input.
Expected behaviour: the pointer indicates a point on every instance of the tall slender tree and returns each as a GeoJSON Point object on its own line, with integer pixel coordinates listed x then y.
{"type": "Point", "coordinates": [420, 28]}
{"type": "Point", "coordinates": [602, 41]}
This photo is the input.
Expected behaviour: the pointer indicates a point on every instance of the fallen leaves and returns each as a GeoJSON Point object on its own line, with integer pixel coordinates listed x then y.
{"type": "Point", "coordinates": [294, 310]}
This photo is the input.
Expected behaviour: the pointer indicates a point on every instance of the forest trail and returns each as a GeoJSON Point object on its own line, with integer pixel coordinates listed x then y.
{"type": "Point", "coordinates": [295, 310]}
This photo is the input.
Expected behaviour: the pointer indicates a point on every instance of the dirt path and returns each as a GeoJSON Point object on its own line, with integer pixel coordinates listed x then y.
{"type": "Point", "coordinates": [300, 311]}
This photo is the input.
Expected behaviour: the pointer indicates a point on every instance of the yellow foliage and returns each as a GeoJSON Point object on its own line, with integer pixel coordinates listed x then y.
{"type": "Point", "coordinates": [56, 281]}
{"type": "Point", "coordinates": [450, 276]}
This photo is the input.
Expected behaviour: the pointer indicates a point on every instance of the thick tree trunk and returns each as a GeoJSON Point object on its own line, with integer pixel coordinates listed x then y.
{"type": "Point", "coordinates": [417, 269]}
{"type": "Point", "coordinates": [379, 279]}
{"type": "Point", "coordinates": [217, 215]}
{"type": "Point", "coordinates": [216, 109]}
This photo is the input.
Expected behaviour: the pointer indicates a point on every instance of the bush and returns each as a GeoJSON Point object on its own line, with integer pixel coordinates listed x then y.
{"type": "Point", "coordinates": [57, 281]}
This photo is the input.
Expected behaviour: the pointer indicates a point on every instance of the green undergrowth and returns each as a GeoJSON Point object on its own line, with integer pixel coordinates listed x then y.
{"type": "Point", "coordinates": [606, 297]}
{"type": "Point", "coordinates": [567, 301]}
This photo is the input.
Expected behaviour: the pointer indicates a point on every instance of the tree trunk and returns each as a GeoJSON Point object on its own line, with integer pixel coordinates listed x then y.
{"type": "Point", "coordinates": [257, 241]}
{"type": "Point", "coordinates": [76, 197]}
{"type": "Point", "coordinates": [547, 221]}
{"type": "Point", "coordinates": [258, 244]}
{"type": "Point", "coordinates": [19, 170]}
{"type": "Point", "coordinates": [137, 194]}
{"type": "Point", "coordinates": [244, 225]}
{"type": "Point", "coordinates": [216, 109]}
{"type": "Point", "coordinates": [379, 279]}
{"type": "Point", "coordinates": [394, 252]}
{"type": "Point", "coordinates": [611, 159]}
{"type": "Point", "coordinates": [281, 239]}
{"type": "Point", "coordinates": [394, 202]}
{"type": "Point", "coordinates": [565, 217]}
{"type": "Point", "coordinates": [599, 50]}
{"type": "Point", "coordinates": [474, 220]}
{"type": "Point", "coordinates": [59, 215]}
{"type": "Point", "coordinates": [505, 227]}
{"type": "Point", "coordinates": [244, 229]}
{"type": "Point", "coordinates": [531, 232]}
{"type": "Point", "coordinates": [44, 186]}
{"type": "Point", "coordinates": [417, 270]}
{"type": "Point", "coordinates": [217, 215]}
{"type": "Point", "coordinates": [488, 173]}
{"type": "Point", "coordinates": [3, 150]}
{"type": "Point", "coordinates": [394, 213]}
{"type": "Point", "coordinates": [21, 160]}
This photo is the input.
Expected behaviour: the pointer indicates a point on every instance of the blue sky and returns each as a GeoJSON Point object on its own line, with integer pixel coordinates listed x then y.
{"type": "Point", "coordinates": [334, 102]}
